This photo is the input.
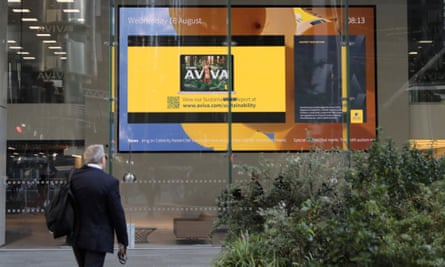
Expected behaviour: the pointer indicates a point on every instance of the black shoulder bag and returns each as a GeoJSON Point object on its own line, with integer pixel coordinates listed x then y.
{"type": "Point", "coordinates": [60, 212]}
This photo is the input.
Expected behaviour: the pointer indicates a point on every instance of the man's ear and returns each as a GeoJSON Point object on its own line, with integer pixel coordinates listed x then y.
{"type": "Point", "coordinates": [103, 160]}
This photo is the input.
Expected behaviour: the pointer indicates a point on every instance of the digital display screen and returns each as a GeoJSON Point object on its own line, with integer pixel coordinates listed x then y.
{"type": "Point", "coordinates": [283, 79]}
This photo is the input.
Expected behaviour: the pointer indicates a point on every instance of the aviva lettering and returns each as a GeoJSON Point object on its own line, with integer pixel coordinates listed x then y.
{"type": "Point", "coordinates": [54, 28]}
{"type": "Point", "coordinates": [50, 75]}
{"type": "Point", "coordinates": [214, 74]}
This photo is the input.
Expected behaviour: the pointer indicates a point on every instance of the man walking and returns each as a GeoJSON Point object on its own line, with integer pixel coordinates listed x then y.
{"type": "Point", "coordinates": [99, 212]}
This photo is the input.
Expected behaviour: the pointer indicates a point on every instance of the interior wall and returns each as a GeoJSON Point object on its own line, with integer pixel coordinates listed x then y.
{"type": "Point", "coordinates": [47, 122]}
{"type": "Point", "coordinates": [392, 70]}
{"type": "Point", "coordinates": [3, 112]}
{"type": "Point", "coordinates": [427, 121]}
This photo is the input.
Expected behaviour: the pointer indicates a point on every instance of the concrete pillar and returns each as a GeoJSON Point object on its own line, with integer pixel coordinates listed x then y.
{"type": "Point", "coordinates": [3, 110]}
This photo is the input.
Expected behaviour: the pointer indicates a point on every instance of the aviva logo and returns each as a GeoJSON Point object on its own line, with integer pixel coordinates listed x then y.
{"type": "Point", "coordinates": [55, 28]}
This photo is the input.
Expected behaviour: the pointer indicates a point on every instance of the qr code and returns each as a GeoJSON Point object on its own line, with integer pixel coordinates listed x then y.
{"type": "Point", "coordinates": [172, 101]}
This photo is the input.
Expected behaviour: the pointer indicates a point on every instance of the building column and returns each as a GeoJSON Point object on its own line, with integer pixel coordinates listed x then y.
{"type": "Point", "coordinates": [3, 112]}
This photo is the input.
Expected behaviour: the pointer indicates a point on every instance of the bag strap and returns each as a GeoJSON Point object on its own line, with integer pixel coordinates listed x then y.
{"type": "Point", "coordinates": [70, 175]}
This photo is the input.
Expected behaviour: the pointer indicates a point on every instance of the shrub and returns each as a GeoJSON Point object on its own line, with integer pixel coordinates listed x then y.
{"type": "Point", "coordinates": [305, 189]}
{"type": "Point", "coordinates": [384, 210]}
{"type": "Point", "coordinates": [245, 251]}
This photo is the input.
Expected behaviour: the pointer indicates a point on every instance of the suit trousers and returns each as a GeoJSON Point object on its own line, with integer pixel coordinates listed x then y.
{"type": "Point", "coordinates": [88, 258]}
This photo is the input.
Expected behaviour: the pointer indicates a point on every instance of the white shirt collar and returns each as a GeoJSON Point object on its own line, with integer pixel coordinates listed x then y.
{"type": "Point", "coordinates": [94, 165]}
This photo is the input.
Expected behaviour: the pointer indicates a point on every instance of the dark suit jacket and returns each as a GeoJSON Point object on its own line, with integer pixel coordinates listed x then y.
{"type": "Point", "coordinates": [100, 214]}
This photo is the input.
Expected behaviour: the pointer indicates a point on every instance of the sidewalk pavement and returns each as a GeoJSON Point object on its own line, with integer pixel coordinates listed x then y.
{"type": "Point", "coordinates": [168, 256]}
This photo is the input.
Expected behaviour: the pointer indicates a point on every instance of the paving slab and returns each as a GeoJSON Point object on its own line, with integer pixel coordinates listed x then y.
{"type": "Point", "coordinates": [169, 256]}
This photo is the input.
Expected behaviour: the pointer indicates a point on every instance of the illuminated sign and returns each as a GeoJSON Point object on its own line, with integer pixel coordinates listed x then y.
{"type": "Point", "coordinates": [175, 71]}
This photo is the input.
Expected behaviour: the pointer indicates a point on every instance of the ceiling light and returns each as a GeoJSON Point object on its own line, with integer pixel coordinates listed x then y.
{"type": "Point", "coordinates": [15, 47]}
{"type": "Point", "coordinates": [34, 27]}
{"type": "Point", "coordinates": [43, 34]}
{"type": "Point", "coordinates": [65, 1]}
{"type": "Point", "coordinates": [14, 1]}
{"type": "Point", "coordinates": [11, 42]}
{"type": "Point", "coordinates": [412, 53]}
{"type": "Point", "coordinates": [29, 58]}
{"type": "Point", "coordinates": [22, 53]}
{"type": "Point", "coordinates": [425, 41]}
{"type": "Point", "coordinates": [59, 53]}
{"type": "Point", "coordinates": [21, 10]}
{"type": "Point", "coordinates": [71, 10]}
{"type": "Point", "coordinates": [49, 41]}
{"type": "Point", "coordinates": [63, 58]}
{"type": "Point", "coordinates": [54, 47]}
{"type": "Point", "coordinates": [29, 19]}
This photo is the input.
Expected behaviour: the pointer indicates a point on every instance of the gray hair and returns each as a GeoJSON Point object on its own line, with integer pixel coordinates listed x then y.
{"type": "Point", "coordinates": [93, 154]}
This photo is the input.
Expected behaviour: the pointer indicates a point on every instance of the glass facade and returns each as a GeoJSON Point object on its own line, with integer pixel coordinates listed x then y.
{"type": "Point", "coordinates": [185, 93]}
